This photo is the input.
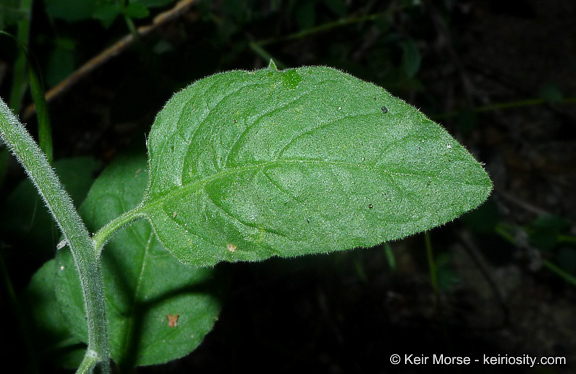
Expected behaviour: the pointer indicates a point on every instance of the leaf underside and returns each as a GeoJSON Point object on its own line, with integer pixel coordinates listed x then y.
{"type": "Point", "coordinates": [246, 165]}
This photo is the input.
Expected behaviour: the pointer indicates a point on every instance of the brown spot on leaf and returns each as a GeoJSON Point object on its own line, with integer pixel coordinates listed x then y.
{"type": "Point", "coordinates": [172, 319]}
{"type": "Point", "coordinates": [231, 247]}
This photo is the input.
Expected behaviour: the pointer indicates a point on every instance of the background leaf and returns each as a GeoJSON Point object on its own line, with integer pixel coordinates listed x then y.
{"type": "Point", "coordinates": [10, 12]}
{"type": "Point", "coordinates": [52, 335]}
{"type": "Point", "coordinates": [153, 3]}
{"type": "Point", "coordinates": [71, 10]}
{"type": "Point", "coordinates": [248, 165]}
{"type": "Point", "coordinates": [25, 221]}
{"type": "Point", "coordinates": [411, 58]}
{"type": "Point", "coordinates": [137, 10]}
{"type": "Point", "coordinates": [144, 283]}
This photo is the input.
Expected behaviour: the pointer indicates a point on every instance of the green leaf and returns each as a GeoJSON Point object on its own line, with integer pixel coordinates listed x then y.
{"type": "Point", "coordinates": [52, 335]}
{"type": "Point", "coordinates": [545, 230]}
{"type": "Point", "coordinates": [71, 10]}
{"type": "Point", "coordinates": [11, 12]}
{"type": "Point", "coordinates": [144, 283]}
{"type": "Point", "coordinates": [153, 3]}
{"type": "Point", "coordinates": [61, 61]}
{"type": "Point", "coordinates": [106, 13]}
{"type": "Point", "coordinates": [248, 165]}
{"type": "Point", "coordinates": [306, 14]}
{"type": "Point", "coordinates": [411, 58]}
{"type": "Point", "coordinates": [336, 6]}
{"type": "Point", "coordinates": [25, 220]}
{"type": "Point", "coordinates": [137, 10]}
{"type": "Point", "coordinates": [551, 93]}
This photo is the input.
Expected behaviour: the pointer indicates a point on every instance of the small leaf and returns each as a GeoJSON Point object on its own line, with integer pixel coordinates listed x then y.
{"type": "Point", "coordinates": [308, 164]}
{"type": "Point", "coordinates": [137, 10]}
{"type": "Point", "coordinates": [106, 13]}
{"type": "Point", "coordinates": [144, 283]}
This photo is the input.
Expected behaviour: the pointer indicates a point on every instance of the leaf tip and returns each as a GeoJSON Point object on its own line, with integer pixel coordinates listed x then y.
{"type": "Point", "coordinates": [272, 65]}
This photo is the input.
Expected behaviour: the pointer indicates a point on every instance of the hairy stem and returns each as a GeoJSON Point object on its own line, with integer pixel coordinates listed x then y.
{"type": "Point", "coordinates": [85, 254]}
{"type": "Point", "coordinates": [104, 234]}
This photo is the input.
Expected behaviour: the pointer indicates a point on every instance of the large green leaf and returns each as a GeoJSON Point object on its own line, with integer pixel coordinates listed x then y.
{"type": "Point", "coordinates": [144, 283]}
{"type": "Point", "coordinates": [245, 165]}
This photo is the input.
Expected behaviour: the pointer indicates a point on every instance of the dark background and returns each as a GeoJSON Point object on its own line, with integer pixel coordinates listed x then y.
{"type": "Point", "coordinates": [499, 75]}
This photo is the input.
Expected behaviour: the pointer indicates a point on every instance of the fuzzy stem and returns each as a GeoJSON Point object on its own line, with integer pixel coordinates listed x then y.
{"type": "Point", "coordinates": [83, 250]}
{"type": "Point", "coordinates": [104, 234]}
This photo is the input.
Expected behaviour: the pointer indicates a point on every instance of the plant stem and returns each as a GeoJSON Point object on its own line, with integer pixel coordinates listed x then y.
{"type": "Point", "coordinates": [86, 257]}
{"type": "Point", "coordinates": [102, 236]}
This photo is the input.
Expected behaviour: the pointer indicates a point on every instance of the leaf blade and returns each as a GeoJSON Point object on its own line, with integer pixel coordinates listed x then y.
{"type": "Point", "coordinates": [299, 161]}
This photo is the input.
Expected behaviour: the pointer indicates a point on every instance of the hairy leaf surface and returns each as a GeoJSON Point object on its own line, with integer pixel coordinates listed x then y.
{"type": "Point", "coordinates": [157, 308]}
{"type": "Point", "coordinates": [245, 165]}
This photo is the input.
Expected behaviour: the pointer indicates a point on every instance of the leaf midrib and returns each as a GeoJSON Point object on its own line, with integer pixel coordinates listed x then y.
{"type": "Point", "coordinates": [146, 205]}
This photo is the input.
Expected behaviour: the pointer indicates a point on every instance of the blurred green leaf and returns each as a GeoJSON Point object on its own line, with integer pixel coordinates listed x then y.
{"type": "Point", "coordinates": [71, 10]}
{"type": "Point", "coordinates": [61, 61]}
{"type": "Point", "coordinates": [483, 219]}
{"type": "Point", "coordinates": [44, 127]}
{"type": "Point", "coordinates": [25, 219]}
{"type": "Point", "coordinates": [11, 13]}
{"type": "Point", "coordinates": [306, 14]}
{"type": "Point", "coordinates": [544, 231]}
{"type": "Point", "coordinates": [153, 3]}
{"type": "Point", "coordinates": [467, 120]}
{"type": "Point", "coordinates": [411, 58]}
{"type": "Point", "coordinates": [337, 6]}
{"type": "Point", "coordinates": [137, 10]}
{"type": "Point", "coordinates": [106, 13]}
{"type": "Point", "coordinates": [447, 278]}
{"type": "Point", "coordinates": [551, 93]}
{"type": "Point", "coordinates": [52, 336]}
